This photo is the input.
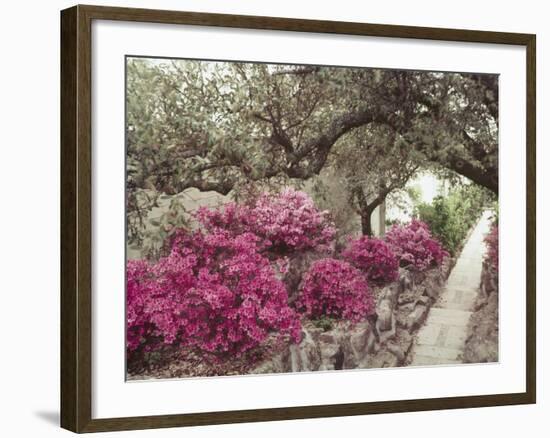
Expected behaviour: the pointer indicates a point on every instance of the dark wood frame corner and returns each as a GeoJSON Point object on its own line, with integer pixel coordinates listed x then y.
{"type": "Point", "coordinates": [76, 172]}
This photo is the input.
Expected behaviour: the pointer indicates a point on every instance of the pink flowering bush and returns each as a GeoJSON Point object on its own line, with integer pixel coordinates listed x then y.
{"type": "Point", "coordinates": [414, 246]}
{"type": "Point", "coordinates": [334, 288]}
{"type": "Point", "coordinates": [374, 257]}
{"type": "Point", "coordinates": [285, 222]}
{"type": "Point", "coordinates": [214, 293]}
{"type": "Point", "coordinates": [491, 241]}
{"type": "Point", "coordinates": [231, 217]}
{"type": "Point", "coordinates": [139, 328]}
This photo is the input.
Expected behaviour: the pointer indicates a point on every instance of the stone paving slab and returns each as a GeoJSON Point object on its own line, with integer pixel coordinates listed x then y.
{"type": "Point", "coordinates": [420, 360]}
{"type": "Point", "coordinates": [456, 337]}
{"type": "Point", "coordinates": [438, 352]}
{"type": "Point", "coordinates": [461, 306]}
{"type": "Point", "coordinates": [429, 334]}
{"type": "Point", "coordinates": [448, 316]}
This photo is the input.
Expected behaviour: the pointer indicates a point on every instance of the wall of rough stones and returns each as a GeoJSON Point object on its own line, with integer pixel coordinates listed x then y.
{"type": "Point", "coordinates": [482, 341]}
{"type": "Point", "coordinates": [385, 340]}
{"type": "Point", "coordinates": [192, 199]}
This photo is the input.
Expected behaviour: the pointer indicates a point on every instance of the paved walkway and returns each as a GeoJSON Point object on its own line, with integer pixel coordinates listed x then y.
{"type": "Point", "coordinates": [441, 340]}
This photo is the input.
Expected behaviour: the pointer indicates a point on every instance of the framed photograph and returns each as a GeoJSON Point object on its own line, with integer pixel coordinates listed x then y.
{"type": "Point", "coordinates": [270, 218]}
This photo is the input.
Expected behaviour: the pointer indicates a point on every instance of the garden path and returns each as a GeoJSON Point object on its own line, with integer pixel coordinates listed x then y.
{"type": "Point", "coordinates": [441, 340]}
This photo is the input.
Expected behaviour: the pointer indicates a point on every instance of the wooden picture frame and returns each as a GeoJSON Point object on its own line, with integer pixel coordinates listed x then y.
{"type": "Point", "coordinates": [76, 218]}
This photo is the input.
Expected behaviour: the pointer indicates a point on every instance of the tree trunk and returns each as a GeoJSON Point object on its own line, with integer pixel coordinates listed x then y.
{"type": "Point", "coordinates": [366, 226]}
{"type": "Point", "coordinates": [366, 209]}
{"type": "Point", "coordinates": [366, 218]}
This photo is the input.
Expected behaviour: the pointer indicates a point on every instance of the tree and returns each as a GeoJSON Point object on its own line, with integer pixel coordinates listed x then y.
{"type": "Point", "coordinates": [216, 125]}
{"type": "Point", "coordinates": [213, 126]}
{"type": "Point", "coordinates": [455, 123]}
{"type": "Point", "coordinates": [373, 162]}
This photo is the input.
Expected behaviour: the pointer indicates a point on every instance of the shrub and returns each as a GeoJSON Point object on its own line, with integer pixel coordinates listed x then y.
{"type": "Point", "coordinates": [414, 246]}
{"type": "Point", "coordinates": [231, 217]}
{"type": "Point", "coordinates": [285, 222]}
{"type": "Point", "coordinates": [213, 293]}
{"type": "Point", "coordinates": [450, 217]}
{"type": "Point", "coordinates": [374, 257]}
{"type": "Point", "coordinates": [334, 288]}
{"type": "Point", "coordinates": [138, 291]}
{"type": "Point", "coordinates": [491, 241]}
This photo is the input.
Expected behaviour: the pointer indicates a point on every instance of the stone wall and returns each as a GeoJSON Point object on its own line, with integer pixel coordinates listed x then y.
{"type": "Point", "coordinates": [192, 199]}
{"type": "Point", "coordinates": [482, 341]}
{"type": "Point", "coordinates": [385, 340]}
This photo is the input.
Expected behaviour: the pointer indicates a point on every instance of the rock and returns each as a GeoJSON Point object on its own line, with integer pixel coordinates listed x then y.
{"type": "Point", "coordinates": [489, 279]}
{"type": "Point", "coordinates": [405, 340]}
{"type": "Point", "coordinates": [328, 356]}
{"type": "Point", "coordinates": [306, 355]}
{"type": "Point", "coordinates": [406, 298]}
{"type": "Point", "coordinates": [333, 346]}
{"type": "Point", "coordinates": [327, 338]}
{"type": "Point", "coordinates": [360, 342]}
{"type": "Point", "coordinates": [406, 281]}
{"type": "Point", "coordinates": [384, 359]}
{"type": "Point", "coordinates": [481, 302]}
{"type": "Point", "coordinates": [271, 366]}
{"type": "Point", "coordinates": [431, 292]}
{"type": "Point", "coordinates": [416, 318]}
{"type": "Point", "coordinates": [372, 343]}
{"type": "Point", "coordinates": [482, 340]}
{"type": "Point", "coordinates": [390, 334]}
{"type": "Point", "coordinates": [385, 315]}
{"type": "Point", "coordinates": [385, 325]}
{"type": "Point", "coordinates": [373, 323]}
{"type": "Point", "coordinates": [338, 360]}
{"type": "Point", "coordinates": [391, 293]}
{"type": "Point", "coordinates": [425, 299]}
{"type": "Point", "coordinates": [420, 276]}
{"type": "Point", "coordinates": [398, 352]}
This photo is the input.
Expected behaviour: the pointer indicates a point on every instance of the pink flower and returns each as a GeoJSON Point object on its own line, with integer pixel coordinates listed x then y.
{"type": "Point", "coordinates": [285, 222]}
{"type": "Point", "coordinates": [374, 257]}
{"type": "Point", "coordinates": [414, 246]}
{"type": "Point", "coordinates": [214, 293]}
{"type": "Point", "coordinates": [334, 288]}
{"type": "Point", "coordinates": [282, 265]}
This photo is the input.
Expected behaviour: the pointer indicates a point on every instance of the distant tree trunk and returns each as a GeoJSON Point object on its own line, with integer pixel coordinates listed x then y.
{"type": "Point", "coordinates": [366, 218]}
{"type": "Point", "coordinates": [367, 208]}
{"type": "Point", "coordinates": [366, 223]}
{"type": "Point", "coordinates": [366, 226]}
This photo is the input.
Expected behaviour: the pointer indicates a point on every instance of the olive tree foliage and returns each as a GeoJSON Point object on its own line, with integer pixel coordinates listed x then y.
{"type": "Point", "coordinates": [455, 124]}
{"type": "Point", "coordinates": [374, 162]}
{"type": "Point", "coordinates": [218, 126]}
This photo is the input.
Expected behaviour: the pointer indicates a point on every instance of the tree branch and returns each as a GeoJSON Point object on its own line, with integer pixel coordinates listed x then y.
{"type": "Point", "coordinates": [317, 149]}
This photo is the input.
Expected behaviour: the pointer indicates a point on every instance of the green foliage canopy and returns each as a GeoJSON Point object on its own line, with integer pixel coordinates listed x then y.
{"type": "Point", "coordinates": [220, 125]}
